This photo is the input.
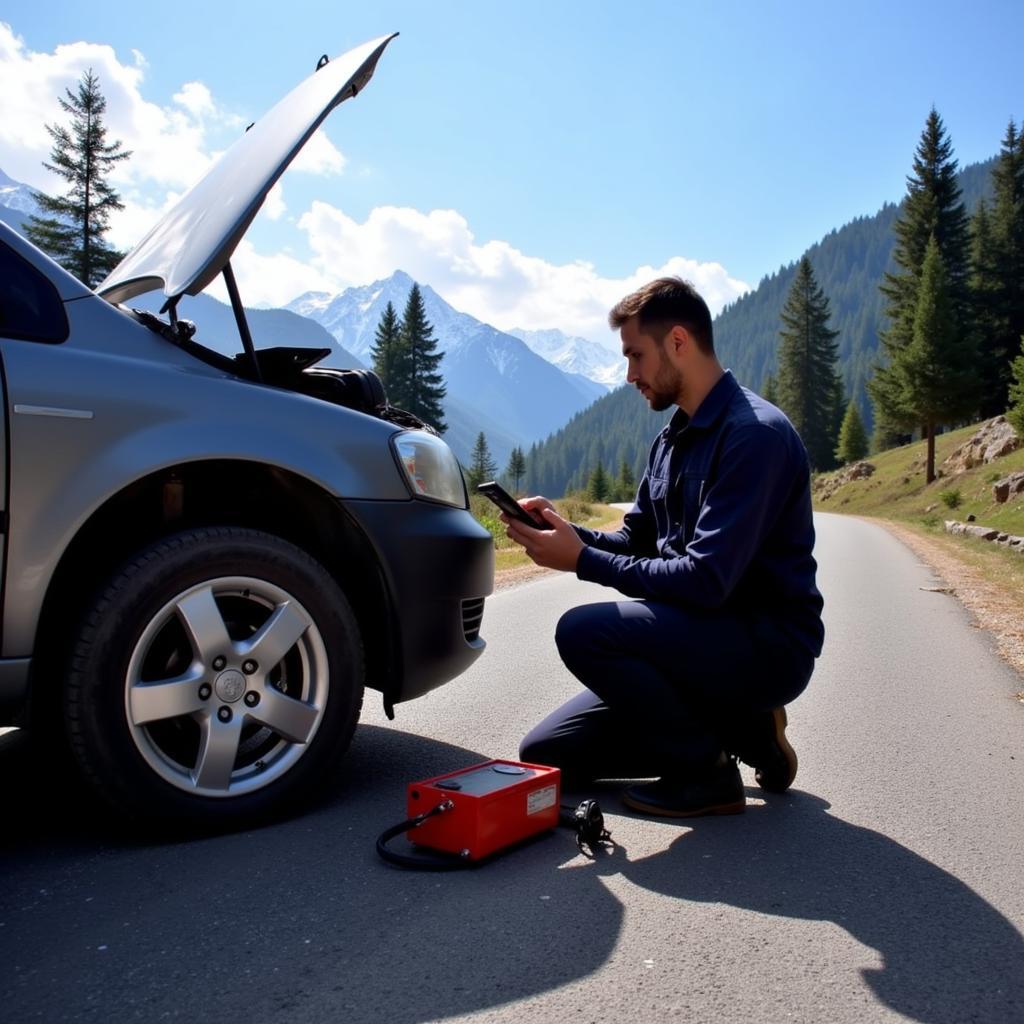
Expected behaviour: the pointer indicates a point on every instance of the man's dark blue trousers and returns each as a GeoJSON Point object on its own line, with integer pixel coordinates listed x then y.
{"type": "Point", "coordinates": [664, 688]}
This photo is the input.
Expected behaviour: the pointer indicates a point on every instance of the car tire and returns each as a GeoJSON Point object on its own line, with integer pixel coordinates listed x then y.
{"type": "Point", "coordinates": [216, 680]}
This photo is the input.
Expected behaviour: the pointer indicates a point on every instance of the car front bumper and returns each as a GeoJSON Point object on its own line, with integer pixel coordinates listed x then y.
{"type": "Point", "coordinates": [438, 565]}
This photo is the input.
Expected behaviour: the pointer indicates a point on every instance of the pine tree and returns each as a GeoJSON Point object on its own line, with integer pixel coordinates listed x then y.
{"type": "Point", "coordinates": [839, 404]}
{"type": "Point", "coordinates": [892, 425]}
{"type": "Point", "coordinates": [770, 389]}
{"type": "Point", "coordinates": [853, 441]}
{"type": "Point", "coordinates": [986, 298]}
{"type": "Point", "coordinates": [932, 207]}
{"type": "Point", "coordinates": [625, 486]}
{"type": "Point", "coordinates": [808, 381]}
{"type": "Point", "coordinates": [482, 466]}
{"type": "Point", "coordinates": [533, 479]}
{"type": "Point", "coordinates": [887, 434]}
{"type": "Point", "coordinates": [385, 355]}
{"type": "Point", "coordinates": [1015, 413]}
{"type": "Point", "coordinates": [598, 486]}
{"type": "Point", "coordinates": [417, 364]}
{"type": "Point", "coordinates": [937, 370]}
{"type": "Point", "coordinates": [516, 468]}
{"type": "Point", "coordinates": [73, 232]}
{"type": "Point", "coordinates": [1003, 274]}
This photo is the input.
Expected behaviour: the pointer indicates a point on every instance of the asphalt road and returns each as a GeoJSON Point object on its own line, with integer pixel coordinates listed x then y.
{"type": "Point", "coordinates": [885, 886]}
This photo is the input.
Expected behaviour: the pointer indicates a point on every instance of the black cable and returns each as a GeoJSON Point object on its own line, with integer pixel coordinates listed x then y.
{"type": "Point", "coordinates": [423, 861]}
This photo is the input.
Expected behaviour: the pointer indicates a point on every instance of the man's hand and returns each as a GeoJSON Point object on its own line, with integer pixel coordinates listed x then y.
{"type": "Point", "coordinates": [558, 547]}
{"type": "Point", "coordinates": [537, 504]}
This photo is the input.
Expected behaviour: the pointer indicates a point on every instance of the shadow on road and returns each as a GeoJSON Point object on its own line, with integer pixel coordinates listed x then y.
{"type": "Point", "coordinates": [948, 956]}
{"type": "Point", "coordinates": [302, 921]}
{"type": "Point", "coordinates": [298, 921]}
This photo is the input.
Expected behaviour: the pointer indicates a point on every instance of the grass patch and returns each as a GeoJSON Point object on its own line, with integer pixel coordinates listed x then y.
{"type": "Point", "coordinates": [508, 555]}
{"type": "Point", "coordinates": [951, 499]}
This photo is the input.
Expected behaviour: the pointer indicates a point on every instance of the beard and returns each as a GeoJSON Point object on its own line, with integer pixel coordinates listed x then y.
{"type": "Point", "coordinates": [666, 387]}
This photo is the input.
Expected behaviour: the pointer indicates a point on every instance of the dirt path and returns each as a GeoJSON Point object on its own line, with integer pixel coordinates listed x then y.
{"type": "Point", "coordinates": [505, 578]}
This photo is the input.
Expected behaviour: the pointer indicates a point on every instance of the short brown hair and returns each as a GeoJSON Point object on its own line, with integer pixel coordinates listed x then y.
{"type": "Point", "coordinates": [662, 304]}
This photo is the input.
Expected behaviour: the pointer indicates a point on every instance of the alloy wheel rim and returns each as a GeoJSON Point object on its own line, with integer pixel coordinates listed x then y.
{"type": "Point", "coordinates": [226, 687]}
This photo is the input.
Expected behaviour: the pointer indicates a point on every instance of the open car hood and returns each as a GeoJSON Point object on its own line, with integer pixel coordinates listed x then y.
{"type": "Point", "coordinates": [193, 242]}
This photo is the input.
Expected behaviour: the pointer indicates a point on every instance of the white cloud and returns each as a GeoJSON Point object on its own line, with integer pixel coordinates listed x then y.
{"type": "Point", "coordinates": [274, 206]}
{"type": "Point", "coordinates": [196, 99]}
{"type": "Point", "coordinates": [140, 213]}
{"type": "Point", "coordinates": [171, 146]}
{"type": "Point", "coordinates": [319, 156]}
{"type": "Point", "coordinates": [493, 281]}
{"type": "Point", "coordinates": [271, 280]}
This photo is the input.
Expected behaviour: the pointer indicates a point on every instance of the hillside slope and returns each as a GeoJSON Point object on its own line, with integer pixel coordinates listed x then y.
{"type": "Point", "coordinates": [896, 487]}
{"type": "Point", "coordinates": [620, 426]}
{"type": "Point", "coordinates": [849, 264]}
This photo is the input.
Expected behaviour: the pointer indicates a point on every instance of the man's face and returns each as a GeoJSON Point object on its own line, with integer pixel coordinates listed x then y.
{"type": "Point", "coordinates": [649, 368]}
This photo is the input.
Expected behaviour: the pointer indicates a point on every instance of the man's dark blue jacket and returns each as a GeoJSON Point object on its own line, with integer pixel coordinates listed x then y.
{"type": "Point", "coordinates": [722, 518]}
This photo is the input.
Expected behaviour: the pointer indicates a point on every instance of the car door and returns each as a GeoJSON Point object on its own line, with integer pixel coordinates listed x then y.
{"type": "Point", "coordinates": [31, 312]}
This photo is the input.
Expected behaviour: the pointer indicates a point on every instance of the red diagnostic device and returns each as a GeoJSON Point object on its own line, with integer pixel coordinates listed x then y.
{"type": "Point", "coordinates": [494, 805]}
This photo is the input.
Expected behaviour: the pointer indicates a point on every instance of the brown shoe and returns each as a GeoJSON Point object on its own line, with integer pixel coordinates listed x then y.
{"type": "Point", "coordinates": [717, 791]}
{"type": "Point", "coordinates": [761, 742]}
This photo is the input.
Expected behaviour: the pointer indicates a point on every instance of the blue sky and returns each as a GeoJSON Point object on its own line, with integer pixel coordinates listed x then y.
{"type": "Point", "coordinates": [531, 161]}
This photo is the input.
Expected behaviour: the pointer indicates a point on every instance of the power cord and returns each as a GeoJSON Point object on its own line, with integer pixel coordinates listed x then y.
{"type": "Point", "coordinates": [422, 861]}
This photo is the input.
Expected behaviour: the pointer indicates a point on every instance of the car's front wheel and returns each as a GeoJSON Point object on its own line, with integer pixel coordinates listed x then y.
{"type": "Point", "coordinates": [217, 679]}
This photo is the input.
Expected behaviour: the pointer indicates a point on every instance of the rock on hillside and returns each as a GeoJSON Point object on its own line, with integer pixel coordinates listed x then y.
{"type": "Point", "coordinates": [1007, 540]}
{"type": "Point", "coordinates": [995, 438]}
{"type": "Point", "coordinates": [1007, 488]}
{"type": "Point", "coordinates": [825, 486]}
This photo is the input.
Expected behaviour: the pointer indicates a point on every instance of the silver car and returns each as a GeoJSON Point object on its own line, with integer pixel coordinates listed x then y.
{"type": "Point", "coordinates": [206, 558]}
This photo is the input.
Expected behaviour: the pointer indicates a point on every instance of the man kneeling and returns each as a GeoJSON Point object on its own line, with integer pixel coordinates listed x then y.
{"type": "Point", "coordinates": [718, 549]}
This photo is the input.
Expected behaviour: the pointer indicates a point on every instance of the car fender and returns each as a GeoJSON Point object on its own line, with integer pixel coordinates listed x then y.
{"type": "Point", "coordinates": [76, 441]}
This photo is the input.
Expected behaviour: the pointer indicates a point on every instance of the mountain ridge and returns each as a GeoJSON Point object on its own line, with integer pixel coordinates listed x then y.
{"type": "Point", "coordinates": [495, 376]}
{"type": "Point", "coordinates": [849, 264]}
{"type": "Point", "coordinates": [573, 354]}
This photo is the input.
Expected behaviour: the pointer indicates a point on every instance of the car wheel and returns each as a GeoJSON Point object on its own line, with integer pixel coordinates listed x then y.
{"type": "Point", "coordinates": [217, 679]}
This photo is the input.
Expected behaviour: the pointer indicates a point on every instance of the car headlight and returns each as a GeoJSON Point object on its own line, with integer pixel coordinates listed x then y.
{"type": "Point", "coordinates": [430, 468]}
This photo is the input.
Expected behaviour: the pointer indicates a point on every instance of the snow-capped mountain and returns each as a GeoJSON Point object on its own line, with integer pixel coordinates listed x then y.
{"type": "Point", "coordinates": [353, 315]}
{"type": "Point", "coordinates": [576, 355]}
{"type": "Point", "coordinates": [16, 196]}
{"type": "Point", "coordinates": [17, 202]}
{"type": "Point", "coordinates": [491, 376]}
